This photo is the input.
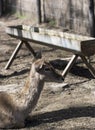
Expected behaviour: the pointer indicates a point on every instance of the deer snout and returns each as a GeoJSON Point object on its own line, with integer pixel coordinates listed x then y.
{"type": "Point", "coordinates": [59, 78]}
{"type": "Point", "coordinates": [62, 78]}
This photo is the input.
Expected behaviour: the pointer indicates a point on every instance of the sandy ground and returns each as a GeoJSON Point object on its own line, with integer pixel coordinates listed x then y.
{"type": "Point", "coordinates": [68, 108]}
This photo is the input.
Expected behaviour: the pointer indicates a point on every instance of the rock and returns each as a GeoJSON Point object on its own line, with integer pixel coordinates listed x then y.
{"type": "Point", "coordinates": [59, 87]}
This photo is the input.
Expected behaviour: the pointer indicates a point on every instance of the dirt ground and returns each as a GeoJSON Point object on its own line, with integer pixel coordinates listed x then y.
{"type": "Point", "coordinates": [68, 108]}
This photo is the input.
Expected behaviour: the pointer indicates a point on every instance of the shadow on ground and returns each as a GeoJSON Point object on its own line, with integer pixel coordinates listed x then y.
{"type": "Point", "coordinates": [59, 115]}
{"type": "Point", "coordinates": [15, 73]}
{"type": "Point", "coordinates": [58, 64]}
{"type": "Point", "coordinates": [75, 70]}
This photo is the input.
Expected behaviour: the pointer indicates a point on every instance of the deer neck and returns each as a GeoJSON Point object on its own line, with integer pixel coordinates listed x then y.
{"type": "Point", "coordinates": [32, 91]}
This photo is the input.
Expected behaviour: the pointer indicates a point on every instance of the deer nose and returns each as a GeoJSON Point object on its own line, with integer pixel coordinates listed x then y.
{"type": "Point", "coordinates": [62, 78]}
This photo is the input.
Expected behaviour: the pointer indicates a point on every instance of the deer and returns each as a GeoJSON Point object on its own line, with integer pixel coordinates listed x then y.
{"type": "Point", "coordinates": [16, 103]}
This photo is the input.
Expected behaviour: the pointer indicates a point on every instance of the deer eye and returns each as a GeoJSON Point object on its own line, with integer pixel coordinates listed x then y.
{"type": "Point", "coordinates": [46, 69]}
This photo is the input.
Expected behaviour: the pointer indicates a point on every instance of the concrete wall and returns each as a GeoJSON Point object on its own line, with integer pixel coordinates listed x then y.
{"type": "Point", "coordinates": [72, 14]}
{"type": "Point", "coordinates": [24, 7]}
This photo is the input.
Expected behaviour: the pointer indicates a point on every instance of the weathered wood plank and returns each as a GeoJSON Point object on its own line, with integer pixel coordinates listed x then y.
{"type": "Point", "coordinates": [72, 42]}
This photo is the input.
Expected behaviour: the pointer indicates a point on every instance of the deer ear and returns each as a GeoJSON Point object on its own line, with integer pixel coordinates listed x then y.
{"type": "Point", "coordinates": [39, 64]}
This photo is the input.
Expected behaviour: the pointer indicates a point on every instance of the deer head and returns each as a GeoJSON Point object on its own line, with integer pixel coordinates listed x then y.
{"type": "Point", "coordinates": [46, 71]}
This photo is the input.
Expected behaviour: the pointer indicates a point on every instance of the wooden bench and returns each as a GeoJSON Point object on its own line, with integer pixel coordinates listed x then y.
{"type": "Point", "coordinates": [79, 45]}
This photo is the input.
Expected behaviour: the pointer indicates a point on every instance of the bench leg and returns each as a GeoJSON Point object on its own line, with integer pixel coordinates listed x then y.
{"type": "Point", "coordinates": [37, 55]}
{"type": "Point", "coordinates": [14, 55]}
{"type": "Point", "coordinates": [30, 48]}
{"type": "Point", "coordinates": [91, 69]}
{"type": "Point", "coordinates": [69, 65]}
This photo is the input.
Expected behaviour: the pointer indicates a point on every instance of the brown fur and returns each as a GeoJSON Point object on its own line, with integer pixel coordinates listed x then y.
{"type": "Point", "coordinates": [16, 105]}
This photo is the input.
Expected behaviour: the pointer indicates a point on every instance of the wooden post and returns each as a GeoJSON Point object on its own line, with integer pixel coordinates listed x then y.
{"type": "Point", "coordinates": [91, 69]}
{"type": "Point", "coordinates": [37, 55]}
{"type": "Point", "coordinates": [69, 65]}
{"type": "Point", "coordinates": [14, 55]}
{"type": "Point", "coordinates": [39, 11]}
{"type": "Point", "coordinates": [91, 17]}
{"type": "Point", "coordinates": [30, 48]}
{"type": "Point", "coordinates": [1, 7]}
{"type": "Point", "coordinates": [43, 17]}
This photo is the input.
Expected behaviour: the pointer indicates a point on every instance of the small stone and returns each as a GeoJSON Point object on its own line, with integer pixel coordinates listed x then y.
{"type": "Point", "coordinates": [58, 87]}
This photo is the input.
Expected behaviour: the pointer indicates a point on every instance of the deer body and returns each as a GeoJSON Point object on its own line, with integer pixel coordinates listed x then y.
{"type": "Point", "coordinates": [16, 105]}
